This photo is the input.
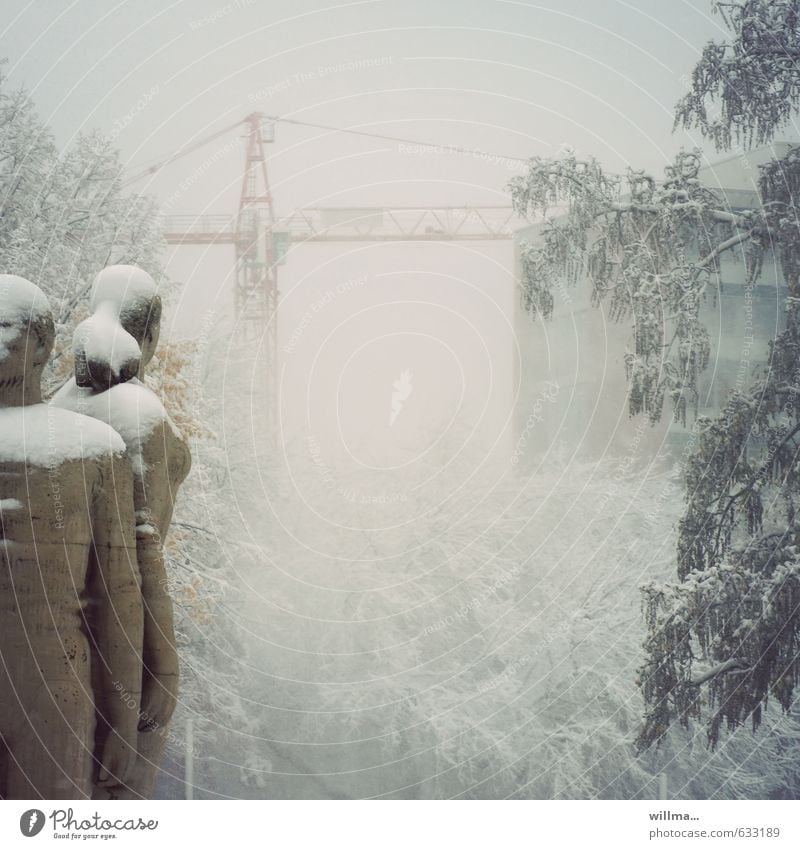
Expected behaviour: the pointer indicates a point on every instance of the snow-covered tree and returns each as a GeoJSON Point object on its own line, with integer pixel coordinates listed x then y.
{"type": "Point", "coordinates": [652, 248]}
{"type": "Point", "coordinates": [483, 646]}
{"type": "Point", "coordinates": [63, 215]}
{"type": "Point", "coordinates": [745, 89]}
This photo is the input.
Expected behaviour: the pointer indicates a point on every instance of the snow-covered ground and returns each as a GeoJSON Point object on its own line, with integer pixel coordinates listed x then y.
{"type": "Point", "coordinates": [468, 638]}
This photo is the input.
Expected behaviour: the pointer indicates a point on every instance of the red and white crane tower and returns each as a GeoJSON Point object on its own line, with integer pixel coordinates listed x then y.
{"type": "Point", "coordinates": [262, 240]}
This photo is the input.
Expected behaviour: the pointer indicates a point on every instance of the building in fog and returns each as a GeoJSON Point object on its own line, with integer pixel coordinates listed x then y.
{"type": "Point", "coordinates": [570, 373]}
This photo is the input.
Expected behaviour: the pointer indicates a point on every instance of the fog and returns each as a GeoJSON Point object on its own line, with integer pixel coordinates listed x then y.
{"type": "Point", "coordinates": [489, 84]}
{"type": "Point", "coordinates": [386, 604]}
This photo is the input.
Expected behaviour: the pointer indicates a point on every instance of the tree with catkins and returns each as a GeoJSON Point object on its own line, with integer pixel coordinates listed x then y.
{"type": "Point", "coordinates": [634, 238]}
{"type": "Point", "coordinates": [724, 638]}
{"type": "Point", "coordinates": [745, 89]}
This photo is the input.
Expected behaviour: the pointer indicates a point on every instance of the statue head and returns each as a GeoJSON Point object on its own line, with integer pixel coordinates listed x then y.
{"type": "Point", "coordinates": [27, 333]}
{"type": "Point", "coordinates": [105, 353]}
{"type": "Point", "coordinates": [133, 294]}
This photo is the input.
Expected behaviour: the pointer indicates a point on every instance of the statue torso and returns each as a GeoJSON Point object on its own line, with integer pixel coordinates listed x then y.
{"type": "Point", "coordinates": [53, 466]}
{"type": "Point", "coordinates": [159, 456]}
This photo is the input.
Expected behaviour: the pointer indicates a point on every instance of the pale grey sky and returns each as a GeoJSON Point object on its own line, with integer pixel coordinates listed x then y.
{"type": "Point", "coordinates": [511, 78]}
{"type": "Point", "coordinates": [515, 78]}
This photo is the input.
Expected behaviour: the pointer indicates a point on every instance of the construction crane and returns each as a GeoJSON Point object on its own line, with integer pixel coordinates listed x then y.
{"type": "Point", "coordinates": [262, 241]}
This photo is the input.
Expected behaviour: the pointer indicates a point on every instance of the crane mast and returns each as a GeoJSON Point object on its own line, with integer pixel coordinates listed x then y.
{"type": "Point", "coordinates": [261, 240]}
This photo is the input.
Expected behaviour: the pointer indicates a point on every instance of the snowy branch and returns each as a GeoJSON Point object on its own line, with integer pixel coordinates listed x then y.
{"type": "Point", "coordinates": [733, 665]}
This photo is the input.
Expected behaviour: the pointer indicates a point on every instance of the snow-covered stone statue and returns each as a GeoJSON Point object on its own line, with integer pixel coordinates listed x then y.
{"type": "Point", "coordinates": [68, 556]}
{"type": "Point", "coordinates": [126, 306]}
{"type": "Point", "coordinates": [119, 338]}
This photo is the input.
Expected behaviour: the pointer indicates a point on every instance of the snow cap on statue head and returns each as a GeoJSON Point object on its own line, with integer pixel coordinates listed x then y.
{"type": "Point", "coordinates": [105, 353]}
{"type": "Point", "coordinates": [132, 295]}
{"type": "Point", "coordinates": [26, 326]}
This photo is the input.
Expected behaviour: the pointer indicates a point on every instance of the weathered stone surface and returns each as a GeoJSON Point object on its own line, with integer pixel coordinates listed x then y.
{"type": "Point", "coordinates": [160, 461]}
{"type": "Point", "coordinates": [67, 557]}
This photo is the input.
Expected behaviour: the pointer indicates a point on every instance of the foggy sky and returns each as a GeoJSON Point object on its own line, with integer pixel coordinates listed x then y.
{"type": "Point", "coordinates": [512, 79]}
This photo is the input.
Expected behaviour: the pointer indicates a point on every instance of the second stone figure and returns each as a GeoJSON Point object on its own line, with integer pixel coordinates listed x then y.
{"type": "Point", "coordinates": [66, 553]}
{"type": "Point", "coordinates": [112, 348]}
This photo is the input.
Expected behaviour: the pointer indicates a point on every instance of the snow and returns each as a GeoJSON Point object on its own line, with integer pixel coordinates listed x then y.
{"type": "Point", "coordinates": [7, 336]}
{"type": "Point", "coordinates": [39, 434]}
{"type": "Point", "coordinates": [480, 646]}
{"type": "Point", "coordinates": [42, 435]}
{"type": "Point", "coordinates": [104, 340]}
{"type": "Point", "coordinates": [20, 301]}
{"type": "Point", "coordinates": [122, 285]}
{"type": "Point", "coordinates": [131, 409]}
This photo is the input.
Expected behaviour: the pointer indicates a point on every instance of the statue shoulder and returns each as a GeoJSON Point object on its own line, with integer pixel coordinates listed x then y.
{"type": "Point", "coordinates": [129, 408]}
{"type": "Point", "coordinates": [167, 443]}
{"type": "Point", "coordinates": [181, 457]}
{"type": "Point", "coordinates": [48, 435]}
{"type": "Point", "coordinates": [68, 395]}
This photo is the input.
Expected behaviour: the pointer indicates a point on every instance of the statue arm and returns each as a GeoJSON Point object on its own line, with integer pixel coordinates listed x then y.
{"type": "Point", "coordinates": [114, 587]}
{"type": "Point", "coordinates": [160, 681]}
{"type": "Point", "coordinates": [154, 498]}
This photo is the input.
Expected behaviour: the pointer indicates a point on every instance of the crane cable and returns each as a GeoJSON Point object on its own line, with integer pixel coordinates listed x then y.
{"type": "Point", "coordinates": [157, 164]}
{"type": "Point", "coordinates": [451, 148]}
